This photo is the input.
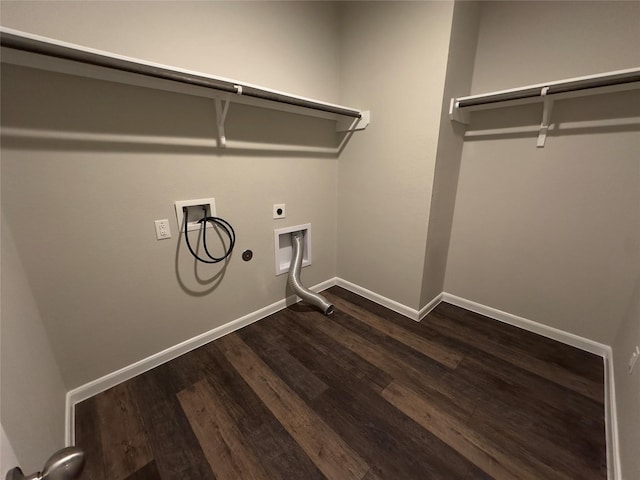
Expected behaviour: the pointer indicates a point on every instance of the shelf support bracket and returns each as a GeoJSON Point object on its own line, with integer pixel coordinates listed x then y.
{"type": "Point", "coordinates": [354, 124]}
{"type": "Point", "coordinates": [456, 114]}
{"type": "Point", "coordinates": [546, 117]}
{"type": "Point", "coordinates": [222, 107]}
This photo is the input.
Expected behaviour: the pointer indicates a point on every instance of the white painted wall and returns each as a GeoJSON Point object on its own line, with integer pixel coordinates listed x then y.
{"type": "Point", "coordinates": [553, 234]}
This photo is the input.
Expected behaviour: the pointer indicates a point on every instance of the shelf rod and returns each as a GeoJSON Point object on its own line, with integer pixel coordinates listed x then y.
{"type": "Point", "coordinates": [53, 48]}
{"type": "Point", "coordinates": [620, 77]}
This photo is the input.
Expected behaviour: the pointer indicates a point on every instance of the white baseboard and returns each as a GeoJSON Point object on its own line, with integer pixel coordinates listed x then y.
{"type": "Point", "coordinates": [614, 468]}
{"type": "Point", "coordinates": [424, 311]}
{"type": "Point", "coordinates": [529, 325]}
{"type": "Point", "coordinates": [409, 312]}
{"type": "Point", "coordinates": [101, 384]}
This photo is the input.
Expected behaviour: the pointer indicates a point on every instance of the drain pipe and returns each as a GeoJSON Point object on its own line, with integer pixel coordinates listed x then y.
{"type": "Point", "coordinates": [294, 277]}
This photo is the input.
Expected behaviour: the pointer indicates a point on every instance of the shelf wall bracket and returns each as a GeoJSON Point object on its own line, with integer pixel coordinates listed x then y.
{"type": "Point", "coordinates": [222, 107]}
{"type": "Point", "coordinates": [354, 124]}
{"type": "Point", "coordinates": [456, 114]}
{"type": "Point", "coordinates": [546, 117]}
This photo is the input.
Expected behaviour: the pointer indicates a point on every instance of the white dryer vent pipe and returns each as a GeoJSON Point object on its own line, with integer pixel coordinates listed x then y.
{"type": "Point", "coordinates": [297, 243]}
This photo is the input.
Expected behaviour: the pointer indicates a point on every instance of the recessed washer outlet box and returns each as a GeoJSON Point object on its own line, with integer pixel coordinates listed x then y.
{"type": "Point", "coordinates": [284, 249]}
{"type": "Point", "coordinates": [195, 211]}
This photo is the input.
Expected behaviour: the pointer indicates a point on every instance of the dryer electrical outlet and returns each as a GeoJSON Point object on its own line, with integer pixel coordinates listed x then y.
{"type": "Point", "coordinates": [279, 211]}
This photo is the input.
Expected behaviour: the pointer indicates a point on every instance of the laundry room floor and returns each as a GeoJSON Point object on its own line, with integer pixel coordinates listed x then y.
{"type": "Point", "coordinates": [363, 394]}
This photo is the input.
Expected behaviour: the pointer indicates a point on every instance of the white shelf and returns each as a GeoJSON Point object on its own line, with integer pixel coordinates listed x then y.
{"type": "Point", "coordinates": [546, 93]}
{"type": "Point", "coordinates": [34, 51]}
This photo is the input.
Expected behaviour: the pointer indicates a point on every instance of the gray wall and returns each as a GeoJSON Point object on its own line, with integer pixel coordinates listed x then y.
{"type": "Point", "coordinates": [81, 213]}
{"type": "Point", "coordinates": [462, 49]}
{"type": "Point", "coordinates": [551, 234]}
{"type": "Point", "coordinates": [8, 458]}
{"type": "Point", "coordinates": [628, 387]}
{"type": "Point", "coordinates": [110, 294]}
{"type": "Point", "coordinates": [394, 58]}
{"type": "Point", "coordinates": [33, 393]}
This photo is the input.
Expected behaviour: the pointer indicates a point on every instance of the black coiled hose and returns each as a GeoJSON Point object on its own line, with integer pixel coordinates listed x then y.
{"type": "Point", "coordinates": [216, 221]}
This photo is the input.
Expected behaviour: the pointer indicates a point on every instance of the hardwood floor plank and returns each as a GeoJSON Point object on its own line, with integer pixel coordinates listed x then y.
{"type": "Point", "coordinates": [428, 378]}
{"type": "Point", "coordinates": [519, 427]}
{"type": "Point", "coordinates": [392, 446]}
{"type": "Point", "coordinates": [577, 361]}
{"type": "Point", "coordinates": [122, 434]}
{"type": "Point", "coordinates": [519, 442]}
{"type": "Point", "coordinates": [328, 451]}
{"type": "Point", "coordinates": [520, 393]}
{"type": "Point", "coordinates": [478, 450]}
{"type": "Point", "coordinates": [295, 330]}
{"type": "Point", "coordinates": [287, 367]}
{"type": "Point", "coordinates": [148, 472]}
{"type": "Point", "coordinates": [281, 455]}
{"type": "Point", "coordinates": [515, 356]}
{"type": "Point", "coordinates": [177, 453]}
{"type": "Point", "coordinates": [220, 438]}
{"type": "Point", "coordinates": [215, 368]}
{"type": "Point", "coordinates": [352, 403]}
{"type": "Point", "coordinates": [433, 349]}
{"type": "Point", "coordinates": [481, 393]}
{"type": "Point", "coordinates": [287, 463]}
{"type": "Point", "coordinates": [570, 358]}
{"type": "Point", "coordinates": [87, 430]}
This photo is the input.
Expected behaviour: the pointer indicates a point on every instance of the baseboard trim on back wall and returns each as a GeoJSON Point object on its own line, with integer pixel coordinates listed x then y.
{"type": "Point", "coordinates": [101, 384]}
{"type": "Point", "coordinates": [613, 456]}
{"type": "Point", "coordinates": [409, 312]}
{"type": "Point", "coordinates": [529, 325]}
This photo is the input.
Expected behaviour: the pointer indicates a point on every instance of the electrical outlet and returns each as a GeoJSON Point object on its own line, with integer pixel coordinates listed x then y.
{"type": "Point", "coordinates": [279, 211]}
{"type": "Point", "coordinates": [162, 229]}
{"type": "Point", "coordinates": [634, 359]}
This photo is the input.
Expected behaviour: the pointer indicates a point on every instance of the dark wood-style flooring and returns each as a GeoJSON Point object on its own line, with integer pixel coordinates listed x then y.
{"type": "Point", "coordinates": [363, 394]}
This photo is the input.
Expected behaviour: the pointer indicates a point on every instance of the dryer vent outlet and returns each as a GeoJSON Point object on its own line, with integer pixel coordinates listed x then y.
{"type": "Point", "coordinates": [284, 247]}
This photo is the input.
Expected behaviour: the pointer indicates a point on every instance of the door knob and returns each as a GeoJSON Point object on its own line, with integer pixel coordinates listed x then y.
{"type": "Point", "coordinates": [65, 464]}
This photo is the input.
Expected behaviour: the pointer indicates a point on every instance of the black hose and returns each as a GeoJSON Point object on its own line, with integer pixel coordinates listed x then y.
{"type": "Point", "coordinates": [216, 221]}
